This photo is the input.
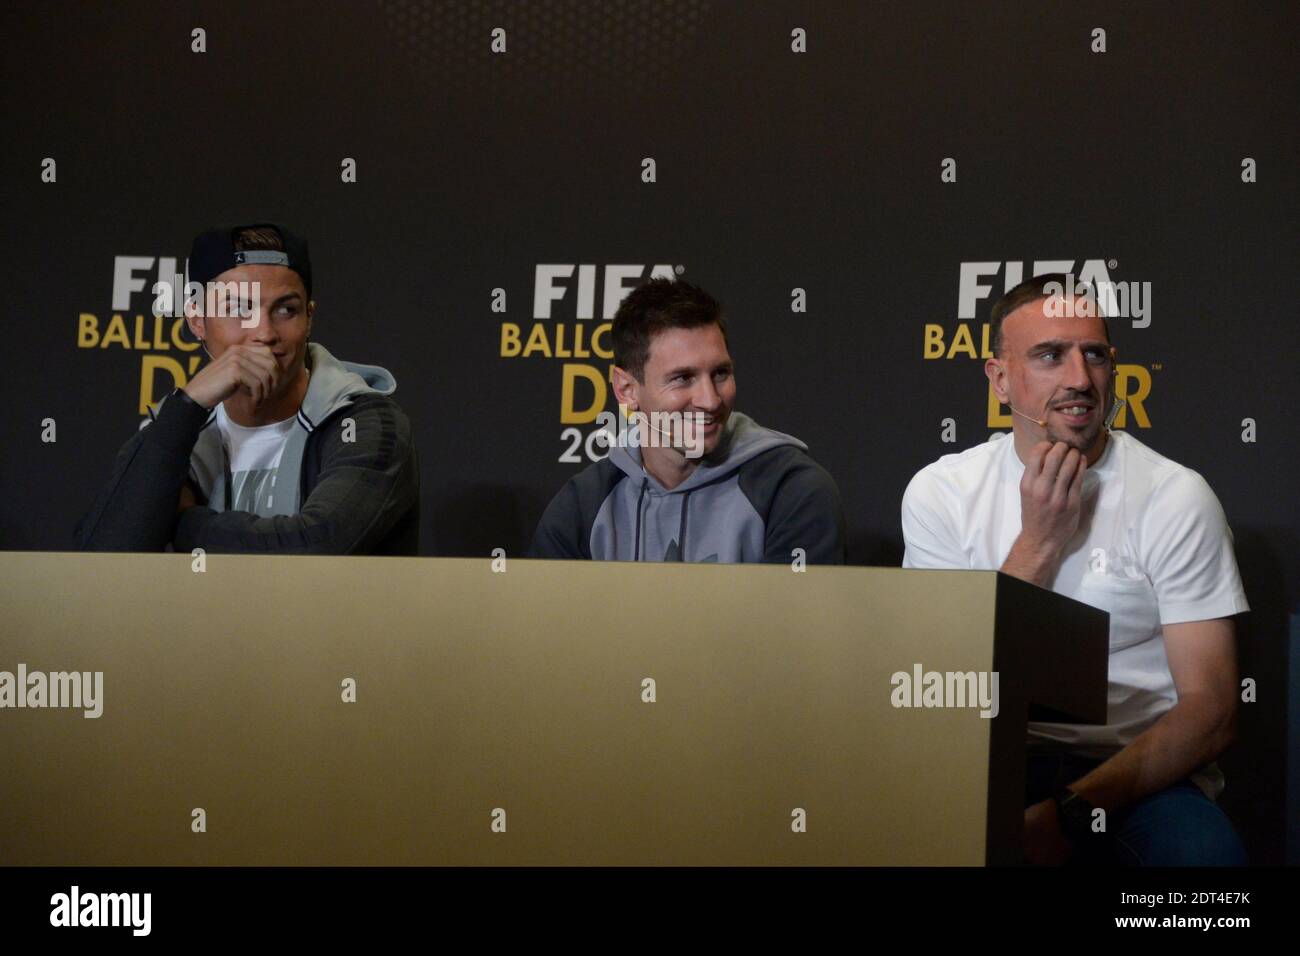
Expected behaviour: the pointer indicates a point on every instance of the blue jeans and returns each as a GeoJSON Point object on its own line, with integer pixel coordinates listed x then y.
{"type": "Point", "coordinates": [1177, 826]}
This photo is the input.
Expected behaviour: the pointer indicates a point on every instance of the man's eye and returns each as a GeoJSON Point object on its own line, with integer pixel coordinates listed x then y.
{"type": "Point", "coordinates": [724, 373]}
{"type": "Point", "coordinates": [1049, 356]}
{"type": "Point", "coordinates": [287, 310]}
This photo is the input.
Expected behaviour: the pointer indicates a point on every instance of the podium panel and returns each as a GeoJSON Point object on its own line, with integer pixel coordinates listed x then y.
{"type": "Point", "coordinates": [553, 713]}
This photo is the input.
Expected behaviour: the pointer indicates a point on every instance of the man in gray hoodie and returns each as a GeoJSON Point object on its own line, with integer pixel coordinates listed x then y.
{"type": "Point", "coordinates": [737, 493]}
{"type": "Point", "coordinates": [275, 446]}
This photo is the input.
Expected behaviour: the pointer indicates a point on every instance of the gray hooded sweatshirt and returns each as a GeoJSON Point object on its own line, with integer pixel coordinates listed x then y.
{"type": "Point", "coordinates": [348, 488]}
{"type": "Point", "coordinates": [756, 498]}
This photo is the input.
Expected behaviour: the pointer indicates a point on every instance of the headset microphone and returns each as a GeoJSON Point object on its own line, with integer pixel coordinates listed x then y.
{"type": "Point", "coordinates": [1116, 406]}
{"type": "Point", "coordinates": [1041, 423]}
{"type": "Point", "coordinates": [667, 433]}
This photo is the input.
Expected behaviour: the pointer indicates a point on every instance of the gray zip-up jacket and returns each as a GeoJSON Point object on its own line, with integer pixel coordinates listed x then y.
{"type": "Point", "coordinates": [357, 496]}
{"type": "Point", "coordinates": [756, 498]}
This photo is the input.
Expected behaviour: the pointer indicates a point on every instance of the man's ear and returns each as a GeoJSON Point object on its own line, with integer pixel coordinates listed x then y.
{"type": "Point", "coordinates": [997, 376]}
{"type": "Point", "coordinates": [311, 309]}
{"type": "Point", "coordinates": [195, 321]}
{"type": "Point", "coordinates": [625, 388]}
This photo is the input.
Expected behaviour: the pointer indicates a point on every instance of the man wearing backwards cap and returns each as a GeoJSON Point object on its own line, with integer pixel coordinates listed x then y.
{"type": "Point", "coordinates": [275, 446]}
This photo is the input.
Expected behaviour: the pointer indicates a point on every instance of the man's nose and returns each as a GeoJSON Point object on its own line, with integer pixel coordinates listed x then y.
{"type": "Point", "coordinates": [264, 330]}
{"type": "Point", "coordinates": [1076, 372]}
{"type": "Point", "coordinates": [706, 396]}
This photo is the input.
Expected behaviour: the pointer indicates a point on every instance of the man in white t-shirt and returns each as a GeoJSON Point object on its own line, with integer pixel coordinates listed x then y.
{"type": "Point", "coordinates": [1095, 515]}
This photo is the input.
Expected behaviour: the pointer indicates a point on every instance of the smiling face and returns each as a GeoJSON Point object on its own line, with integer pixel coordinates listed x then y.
{"type": "Point", "coordinates": [688, 370]}
{"type": "Point", "coordinates": [1058, 367]}
{"type": "Point", "coordinates": [283, 319]}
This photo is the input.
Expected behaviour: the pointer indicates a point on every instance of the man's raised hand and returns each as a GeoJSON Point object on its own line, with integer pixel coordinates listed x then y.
{"type": "Point", "coordinates": [252, 368]}
{"type": "Point", "coordinates": [1051, 496]}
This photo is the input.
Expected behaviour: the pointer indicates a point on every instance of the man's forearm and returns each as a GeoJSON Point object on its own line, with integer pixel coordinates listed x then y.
{"type": "Point", "coordinates": [1031, 562]}
{"type": "Point", "coordinates": [1191, 734]}
{"type": "Point", "coordinates": [136, 510]}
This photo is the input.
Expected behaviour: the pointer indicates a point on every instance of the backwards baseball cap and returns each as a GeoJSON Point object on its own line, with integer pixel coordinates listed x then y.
{"type": "Point", "coordinates": [213, 252]}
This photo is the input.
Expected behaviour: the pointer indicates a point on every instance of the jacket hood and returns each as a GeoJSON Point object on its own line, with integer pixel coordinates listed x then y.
{"type": "Point", "coordinates": [742, 440]}
{"type": "Point", "coordinates": [335, 383]}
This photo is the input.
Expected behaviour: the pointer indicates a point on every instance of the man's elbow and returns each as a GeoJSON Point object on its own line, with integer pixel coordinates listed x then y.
{"type": "Point", "coordinates": [1228, 732]}
{"type": "Point", "coordinates": [1223, 733]}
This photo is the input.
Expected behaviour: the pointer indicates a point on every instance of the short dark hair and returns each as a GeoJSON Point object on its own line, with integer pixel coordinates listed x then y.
{"type": "Point", "coordinates": [654, 306]}
{"type": "Point", "coordinates": [1028, 291]}
{"type": "Point", "coordinates": [259, 237]}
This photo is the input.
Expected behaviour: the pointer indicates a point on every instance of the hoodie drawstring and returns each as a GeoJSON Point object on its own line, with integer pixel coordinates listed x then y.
{"type": "Point", "coordinates": [636, 548]}
{"type": "Point", "coordinates": [681, 531]}
{"type": "Point", "coordinates": [681, 528]}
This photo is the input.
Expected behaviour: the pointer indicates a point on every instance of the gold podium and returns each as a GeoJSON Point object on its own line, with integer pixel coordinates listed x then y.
{"type": "Point", "coordinates": [547, 713]}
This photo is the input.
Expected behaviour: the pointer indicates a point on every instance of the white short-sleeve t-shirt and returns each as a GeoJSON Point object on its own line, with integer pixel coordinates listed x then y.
{"type": "Point", "coordinates": [1153, 548]}
{"type": "Point", "coordinates": [254, 457]}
